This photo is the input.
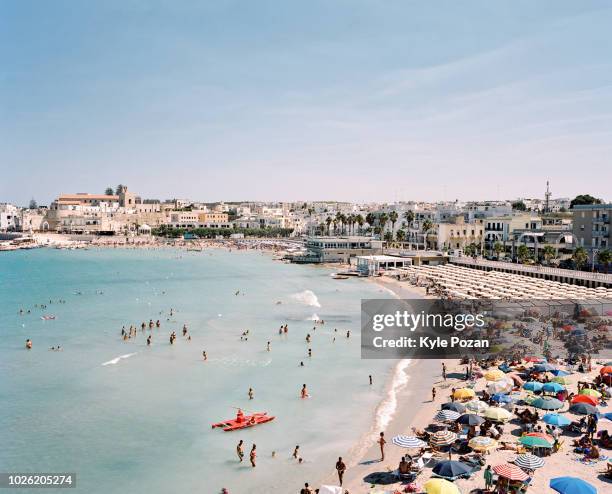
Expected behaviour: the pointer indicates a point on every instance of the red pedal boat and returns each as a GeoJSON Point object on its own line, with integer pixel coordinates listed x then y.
{"type": "Point", "coordinates": [244, 421]}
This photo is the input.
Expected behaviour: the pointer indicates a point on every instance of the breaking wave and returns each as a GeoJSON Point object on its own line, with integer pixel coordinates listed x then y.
{"type": "Point", "coordinates": [307, 297]}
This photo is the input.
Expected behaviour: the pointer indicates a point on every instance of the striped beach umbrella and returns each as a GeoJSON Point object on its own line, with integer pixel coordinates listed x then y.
{"type": "Point", "coordinates": [446, 416]}
{"type": "Point", "coordinates": [556, 419]}
{"type": "Point", "coordinates": [442, 438]}
{"type": "Point", "coordinates": [533, 386]}
{"type": "Point", "coordinates": [454, 406]}
{"type": "Point", "coordinates": [482, 443]}
{"type": "Point", "coordinates": [529, 461]}
{"type": "Point", "coordinates": [464, 394]}
{"type": "Point", "coordinates": [476, 406]}
{"type": "Point", "coordinates": [511, 472]}
{"type": "Point", "coordinates": [408, 442]}
{"type": "Point", "coordinates": [571, 485]}
{"type": "Point", "coordinates": [497, 414]}
{"type": "Point", "coordinates": [494, 375]}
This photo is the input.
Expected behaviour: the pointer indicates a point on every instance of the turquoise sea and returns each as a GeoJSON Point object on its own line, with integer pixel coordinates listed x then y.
{"type": "Point", "coordinates": [141, 423]}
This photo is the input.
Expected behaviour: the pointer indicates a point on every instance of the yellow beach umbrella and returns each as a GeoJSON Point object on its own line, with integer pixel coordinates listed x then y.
{"type": "Point", "coordinates": [440, 486]}
{"type": "Point", "coordinates": [482, 443]}
{"type": "Point", "coordinates": [561, 380]}
{"type": "Point", "coordinates": [464, 394]}
{"type": "Point", "coordinates": [591, 392]}
{"type": "Point", "coordinates": [500, 414]}
{"type": "Point", "coordinates": [494, 375]}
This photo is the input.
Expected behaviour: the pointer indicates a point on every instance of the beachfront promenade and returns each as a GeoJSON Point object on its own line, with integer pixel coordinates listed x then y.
{"type": "Point", "coordinates": [583, 278]}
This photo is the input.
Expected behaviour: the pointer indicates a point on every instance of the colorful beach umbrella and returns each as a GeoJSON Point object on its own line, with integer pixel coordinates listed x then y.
{"type": "Point", "coordinates": [529, 461]}
{"type": "Point", "coordinates": [446, 416]}
{"type": "Point", "coordinates": [482, 443]}
{"type": "Point", "coordinates": [571, 485]}
{"type": "Point", "coordinates": [535, 442]}
{"type": "Point", "coordinates": [606, 370]}
{"type": "Point", "coordinates": [409, 442]}
{"type": "Point", "coordinates": [454, 406]}
{"type": "Point", "coordinates": [442, 438]}
{"type": "Point", "coordinates": [584, 399]}
{"type": "Point", "coordinates": [494, 375]}
{"type": "Point", "coordinates": [533, 386]}
{"type": "Point", "coordinates": [590, 392]}
{"type": "Point", "coordinates": [561, 380]}
{"type": "Point", "coordinates": [534, 359]}
{"type": "Point", "coordinates": [470, 419]}
{"type": "Point", "coordinates": [464, 394]}
{"type": "Point", "coordinates": [552, 388]}
{"type": "Point", "coordinates": [560, 373]}
{"type": "Point", "coordinates": [476, 406]}
{"type": "Point", "coordinates": [544, 368]}
{"type": "Point", "coordinates": [440, 486]}
{"type": "Point", "coordinates": [583, 409]}
{"type": "Point", "coordinates": [497, 414]}
{"type": "Point", "coordinates": [452, 469]}
{"type": "Point", "coordinates": [511, 472]}
{"type": "Point", "coordinates": [556, 419]}
{"type": "Point", "coordinates": [547, 437]}
{"type": "Point", "coordinates": [503, 386]}
{"type": "Point", "coordinates": [502, 398]}
{"type": "Point", "coordinates": [547, 403]}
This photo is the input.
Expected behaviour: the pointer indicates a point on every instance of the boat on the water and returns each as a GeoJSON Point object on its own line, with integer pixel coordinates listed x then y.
{"type": "Point", "coordinates": [244, 421]}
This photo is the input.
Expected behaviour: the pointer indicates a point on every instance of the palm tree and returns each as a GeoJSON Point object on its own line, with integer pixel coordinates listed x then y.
{"type": "Point", "coordinates": [335, 222]}
{"type": "Point", "coordinates": [409, 216]}
{"type": "Point", "coordinates": [604, 257]}
{"type": "Point", "coordinates": [328, 221]}
{"type": "Point", "coordinates": [523, 253]}
{"type": "Point", "coordinates": [382, 220]}
{"type": "Point", "coordinates": [359, 220]}
{"type": "Point", "coordinates": [425, 227]}
{"type": "Point", "coordinates": [341, 218]}
{"type": "Point", "coordinates": [109, 191]}
{"type": "Point", "coordinates": [351, 222]}
{"type": "Point", "coordinates": [580, 257]}
{"type": "Point", "coordinates": [549, 252]}
{"type": "Point", "coordinates": [498, 247]}
{"type": "Point", "coordinates": [400, 235]}
{"type": "Point", "coordinates": [388, 237]}
{"type": "Point", "coordinates": [393, 219]}
{"type": "Point", "coordinates": [370, 219]}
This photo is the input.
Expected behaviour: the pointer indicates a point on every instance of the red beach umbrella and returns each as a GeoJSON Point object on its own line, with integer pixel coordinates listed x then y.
{"type": "Point", "coordinates": [511, 472]}
{"type": "Point", "coordinates": [606, 370]}
{"type": "Point", "coordinates": [591, 400]}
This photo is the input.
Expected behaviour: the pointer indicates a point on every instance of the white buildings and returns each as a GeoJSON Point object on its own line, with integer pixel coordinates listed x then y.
{"type": "Point", "coordinates": [9, 217]}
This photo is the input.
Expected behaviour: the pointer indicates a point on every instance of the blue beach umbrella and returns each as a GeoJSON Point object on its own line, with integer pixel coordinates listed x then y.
{"type": "Point", "coordinates": [544, 368]}
{"type": "Point", "coordinates": [560, 373]}
{"type": "Point", "coordinates": [556, 419]}
{"type": "Point", "coordinates": [533, 386]}
{"type": "Point", "coordinates": [583, 409]}
{"type": "Point", "coordinates": [552, 388]}
{"type": "Point", "coordinates": [608, 415]}
{"type": "Point", "coordinates": [547, 403]}
{"type": "Point", "coordinates": [572, 485]}
{"type": "Point", "coordinates": [502, 398]}
{"type": "Point", "coordinates": [454, 406]}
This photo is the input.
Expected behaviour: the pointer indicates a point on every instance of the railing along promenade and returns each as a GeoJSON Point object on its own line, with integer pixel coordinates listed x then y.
{"type": "Point", "coordinates": [596, 278]}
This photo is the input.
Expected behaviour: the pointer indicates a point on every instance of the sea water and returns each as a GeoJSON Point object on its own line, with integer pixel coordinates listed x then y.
{"type": "Point", "coordinates": [135, 419]}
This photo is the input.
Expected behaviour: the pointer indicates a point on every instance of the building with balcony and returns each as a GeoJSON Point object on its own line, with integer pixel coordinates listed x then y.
{"type": "Point", "coordinates": [591, 226]}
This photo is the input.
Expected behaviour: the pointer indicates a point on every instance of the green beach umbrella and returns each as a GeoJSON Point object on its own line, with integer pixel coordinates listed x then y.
{"type": "Point", "coordinates": [546, 403]}
{"type": "Point", "coordinates": [535, 442]}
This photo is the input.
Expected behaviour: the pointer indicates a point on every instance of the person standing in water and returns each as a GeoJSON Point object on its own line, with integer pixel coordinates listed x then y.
{"type": "Point", "coordinates": [240, 451]}
{"type": "Point", "coordinates": [296, 452]}
{"type": "Point", "coordinates": [149, 340]}
{"type": "Point", "coordinates": [304, 392]}
{"type": "Point", "coordinates": [370, 377]}
{"type": "Point", "coordinates": [253, 455]}
{"type": "Point", "coordinates": [382, 442]}
{"type": "Point", "coordinates": [340, 468]}
{"type": "Point", "coordinates": [251, 394]}
{"type": "Point", "coordinates": [268, 348]}
{"type": "Point", "coordinates": [29, 344]}
{"type": "Point", "coordinates": [204, 356]}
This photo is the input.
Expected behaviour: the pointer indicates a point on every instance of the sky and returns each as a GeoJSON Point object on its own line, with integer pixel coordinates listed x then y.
{"type": "Point", "coordinates": [290, 100]}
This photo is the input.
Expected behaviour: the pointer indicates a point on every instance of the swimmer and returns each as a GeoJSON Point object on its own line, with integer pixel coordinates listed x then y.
{"type": "Point", "coordinates": [149, 340]}
{"type": "Point", "coordinates": [240, 451]}
{"type": "Point", "coordinates": [348, 334]}
{"type": "Point", "coordinates": [304, 392]}
{"type": "Point", "coordinates": [251, 394]}
{"type": "Point", "coordinates": [308, 338]}
{"type": "Point", "coordinates": [268, 346]}
{"type": "Point", "coordinates": [158, 324]}
{"type": "Point", "coordinates": [310, 352]}
{"type": "Point", "coordinates": [204, 356]}
{"type": "Point", "coordinates": [29, 344]}
{"type": "Point", "coordinates": [301, 364]}
{"type": "Point", "coordinates": [296, 451]}
{"type": "Point", "coordinates": [370, 377]}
